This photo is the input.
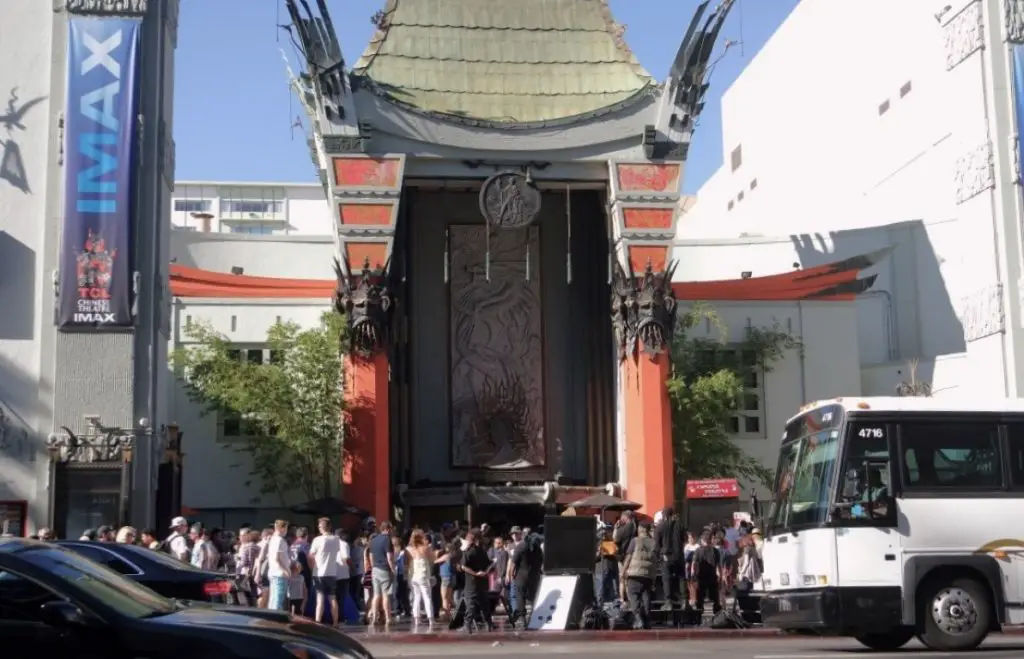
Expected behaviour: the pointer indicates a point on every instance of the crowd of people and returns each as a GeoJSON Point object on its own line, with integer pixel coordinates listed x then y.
{"type": "Point", "coordinates": [693, 569]}
{"type": "Point", "coordinates": [376, 575]}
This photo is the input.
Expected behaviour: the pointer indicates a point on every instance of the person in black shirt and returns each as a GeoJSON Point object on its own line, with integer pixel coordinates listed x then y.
{"type": "Point", "coordinates": [527, 561]}
{"type": "Point", "coordinates": [669, 538]}
{"type": "Point", "coordinates": [707, 571]}
{"type": "Point", "coordinates": [476, 565]}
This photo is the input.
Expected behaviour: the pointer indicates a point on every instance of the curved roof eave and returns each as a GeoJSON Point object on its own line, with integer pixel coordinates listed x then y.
{"type": "Point", "coordinates": [652, 90]}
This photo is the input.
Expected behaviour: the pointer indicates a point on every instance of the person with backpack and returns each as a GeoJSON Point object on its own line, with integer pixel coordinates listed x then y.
{"type": "Point", "coordinates": [640, 568]}
{"type": "Point", "coordinates": [177, 543]}
{"type": "Point", "coordinates": [527, 561]}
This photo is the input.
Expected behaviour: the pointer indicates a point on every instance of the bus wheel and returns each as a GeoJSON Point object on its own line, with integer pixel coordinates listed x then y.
{"type": "Point", "coordinates": [894, 639]}
{"type": "Point", "coordinates": [956, 614]}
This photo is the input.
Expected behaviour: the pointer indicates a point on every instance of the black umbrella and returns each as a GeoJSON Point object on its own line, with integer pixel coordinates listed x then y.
{"type": "Point", "coordinates": [329, 506]}
{"type": "Point", "coordinates": [605, 501]}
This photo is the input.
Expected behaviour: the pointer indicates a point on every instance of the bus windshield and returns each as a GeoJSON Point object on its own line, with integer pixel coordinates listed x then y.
{"type": "Point", "coordinates": [808, 467]}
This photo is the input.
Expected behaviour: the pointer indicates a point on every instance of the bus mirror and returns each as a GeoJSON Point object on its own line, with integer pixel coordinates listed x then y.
{"type": "Point", "coordinates": [850, 485]}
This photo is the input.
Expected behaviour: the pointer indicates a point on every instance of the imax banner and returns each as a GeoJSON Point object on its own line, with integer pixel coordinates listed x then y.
{"type": "Point", "coordinates": [95, 285]}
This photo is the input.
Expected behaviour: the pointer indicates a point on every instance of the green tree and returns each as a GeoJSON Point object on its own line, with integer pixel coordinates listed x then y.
{"type": "Point", "coordinates": [706, 388]}
{"type": "Point", "coordinates": [291, 408]}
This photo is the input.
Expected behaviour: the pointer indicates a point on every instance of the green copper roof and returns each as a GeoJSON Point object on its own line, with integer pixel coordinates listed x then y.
{"type": "Point", "coordinates": [502, 61]}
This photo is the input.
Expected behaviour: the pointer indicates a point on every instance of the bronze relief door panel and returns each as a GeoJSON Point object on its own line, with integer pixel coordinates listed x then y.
{"type": "Point", "coordinates": [496, 348]}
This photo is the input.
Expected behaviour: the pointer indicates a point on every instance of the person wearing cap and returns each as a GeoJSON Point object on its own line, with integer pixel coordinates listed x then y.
{"type": "Point", "coordinates": [176, 543]}
{"type": "Point", "coordinates": [105, 534]}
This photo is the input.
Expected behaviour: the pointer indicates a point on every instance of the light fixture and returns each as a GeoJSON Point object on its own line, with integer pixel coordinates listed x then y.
{"type": "Point", "coordinates": [237, 270]}
{"type": "Point", "coordinates": [746, 274]}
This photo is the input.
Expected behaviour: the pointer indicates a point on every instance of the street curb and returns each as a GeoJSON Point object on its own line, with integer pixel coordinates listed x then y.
{"type": "Point", "coordinates": [594, 636]}
{"type": "Point", "coordinates": [588, 636]}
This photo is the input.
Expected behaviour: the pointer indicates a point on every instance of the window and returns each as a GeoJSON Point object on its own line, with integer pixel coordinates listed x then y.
{"type": "Point", "coordinates": [953, 456]}
{"type": "Point", "coordinates": [1015, 433]}
{"type": "Point", "coordinates": [753, 184]}
{"type": "Point", "coordinates": [234, 426]}
{"type": "Point", "coordinates": [192, 205]}
{"type": "Point", "coordinates": [21, 599]}
{"type": "Point", "coordinates": [883, 108]}
{"type": "Point", "coordinates": [748, 418]}
{"type": "Point", "coordinates": [731, 204]}
{"type": "Point", "coordinates": [124, 596]}
{"type": "Point", "coordinates": [737, 157]}
{"type": "Point", "coordinates": [905, 89]}
{"type": "Point", "coordinates": [104, 557]}
{"type": "Point", "coordinates": [866, 468]}
{"type": "Point", "coordinates": [251, 203]}
{"type": "Point", "coordinates": [739, 197]}
{"type": "Point", "coordinates": [252, 230]}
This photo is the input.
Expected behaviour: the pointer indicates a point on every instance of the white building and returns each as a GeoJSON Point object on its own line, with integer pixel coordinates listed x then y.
{"type": "Point", "coordinates": [869, 124]}
{"type": "Point", "coordinates": [251, 208]}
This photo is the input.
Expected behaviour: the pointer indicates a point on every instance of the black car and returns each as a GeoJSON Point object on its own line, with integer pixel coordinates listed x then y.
{"type": "Point", "coordinates": [158, 571]}
{"type": "Point", "coordinates": [60, 604]}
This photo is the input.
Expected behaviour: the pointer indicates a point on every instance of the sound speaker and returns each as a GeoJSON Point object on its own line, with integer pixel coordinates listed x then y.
{"type": "Point", "coordinates": [570, 545]}
{"type": "Point", "coordinates": [560, 602]}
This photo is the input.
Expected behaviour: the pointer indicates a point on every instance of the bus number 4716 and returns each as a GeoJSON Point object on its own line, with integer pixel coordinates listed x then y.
{"type": "Point", "coordinates": [871, 433]}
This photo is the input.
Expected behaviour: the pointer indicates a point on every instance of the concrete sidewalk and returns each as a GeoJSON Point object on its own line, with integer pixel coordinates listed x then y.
{"type": "Point", "coordinates": [408, 634]}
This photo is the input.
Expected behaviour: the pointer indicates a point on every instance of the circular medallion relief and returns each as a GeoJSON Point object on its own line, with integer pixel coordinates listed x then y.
{"type": "Point", "coordinates": [509, 201]}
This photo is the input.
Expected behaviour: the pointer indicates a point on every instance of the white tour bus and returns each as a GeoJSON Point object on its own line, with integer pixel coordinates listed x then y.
{"type": "Point", "coordinates": [898, 517]}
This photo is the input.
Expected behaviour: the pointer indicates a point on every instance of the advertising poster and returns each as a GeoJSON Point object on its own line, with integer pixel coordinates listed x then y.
{"type": "Point", "coordinates": [95, 284]}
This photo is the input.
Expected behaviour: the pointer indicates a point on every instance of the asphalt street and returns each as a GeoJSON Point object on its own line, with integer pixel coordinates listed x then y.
{"type": "Point", "coordinates": [996, 648]}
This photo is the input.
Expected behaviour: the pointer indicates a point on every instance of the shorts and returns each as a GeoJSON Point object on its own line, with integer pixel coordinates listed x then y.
{"type": "Point", "coordinates": [446, 582]}
{"type": "Point", "coordinates": [325, 585]}
{"type": "Point", "coordinates": [278, 594]}
{"type": "Point", "coordinates": [383, 582]}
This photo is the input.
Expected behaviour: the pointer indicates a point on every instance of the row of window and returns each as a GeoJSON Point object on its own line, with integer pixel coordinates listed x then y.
{"type": "Point", "coordinates": [956, 456]}
{"type": "Point", "coordinates": [748, 420]}
{"type": "Point", "coordinates": [884, 106]}
{"type": "Point", "coordinates": [232, 207]}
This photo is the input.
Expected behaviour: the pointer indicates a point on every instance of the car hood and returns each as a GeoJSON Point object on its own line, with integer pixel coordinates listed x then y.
{"type": "Point", "coordinates": [260, 622]}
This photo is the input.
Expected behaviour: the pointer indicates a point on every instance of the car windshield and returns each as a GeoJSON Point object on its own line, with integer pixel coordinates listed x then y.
{"type": "Point", "coordinates": [807, 470]}
{"type": "Point", "coordinates": [99, 583]}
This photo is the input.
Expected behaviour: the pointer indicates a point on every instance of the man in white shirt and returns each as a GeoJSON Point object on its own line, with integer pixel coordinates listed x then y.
{"type": "Point", "coordinates": [176, 543]}
{"type": "Point", "coordinates": [323, 559]}
{"type": "Point", "coordinates": [279, 568]}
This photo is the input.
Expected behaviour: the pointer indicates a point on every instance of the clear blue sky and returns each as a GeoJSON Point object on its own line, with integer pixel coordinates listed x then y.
{"type": "Point", "coordinates": [234, 111]}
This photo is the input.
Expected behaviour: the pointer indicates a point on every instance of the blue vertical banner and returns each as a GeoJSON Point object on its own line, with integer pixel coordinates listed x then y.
{"type": "Point", "coordinates": [95, 283]}
{"type": "Point", "coordinates": [1018, 98]}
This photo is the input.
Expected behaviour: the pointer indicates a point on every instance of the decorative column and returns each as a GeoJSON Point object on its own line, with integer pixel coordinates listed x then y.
{"type": "Point", "coordinates": [645, 200]}
{"type": "Point", "coordinates": [365, 192]}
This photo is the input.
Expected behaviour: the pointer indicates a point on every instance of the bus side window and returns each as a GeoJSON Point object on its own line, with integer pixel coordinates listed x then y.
{"type": "Point", "coordinates": [1015, 433]}
{"type": "Point", "coordinates": [950, 455]}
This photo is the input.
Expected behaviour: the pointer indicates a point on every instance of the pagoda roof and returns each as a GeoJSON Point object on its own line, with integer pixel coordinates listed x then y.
{"type": "Point", "coordinates": [502, 63]}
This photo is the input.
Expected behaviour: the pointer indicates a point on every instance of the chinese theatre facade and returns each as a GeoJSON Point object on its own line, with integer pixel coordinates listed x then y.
{"type": "Point", "coordinates": [506, 183]}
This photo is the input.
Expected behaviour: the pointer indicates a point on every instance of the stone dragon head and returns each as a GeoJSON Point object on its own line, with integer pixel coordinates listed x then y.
{"type": "Point", "coordinates": [365, 301]}
{"type": "Point", "coordinates": [643, 310]}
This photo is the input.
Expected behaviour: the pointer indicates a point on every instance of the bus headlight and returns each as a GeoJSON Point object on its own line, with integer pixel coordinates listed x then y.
{"type": "Point", "coordinates": [767, 582]}
{"type": "Point", "coordinates": [784, 578]}
{"type": "Point", "coordinates": [815, 580]}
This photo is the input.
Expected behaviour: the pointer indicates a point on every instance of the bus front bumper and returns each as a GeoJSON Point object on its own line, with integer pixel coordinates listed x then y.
{"type": "Point", "coordinates": [833, 610]}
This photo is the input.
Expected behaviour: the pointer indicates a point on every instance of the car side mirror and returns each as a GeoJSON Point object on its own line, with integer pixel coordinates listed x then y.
{"type": "Point", "coordinates": [61, 614]}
